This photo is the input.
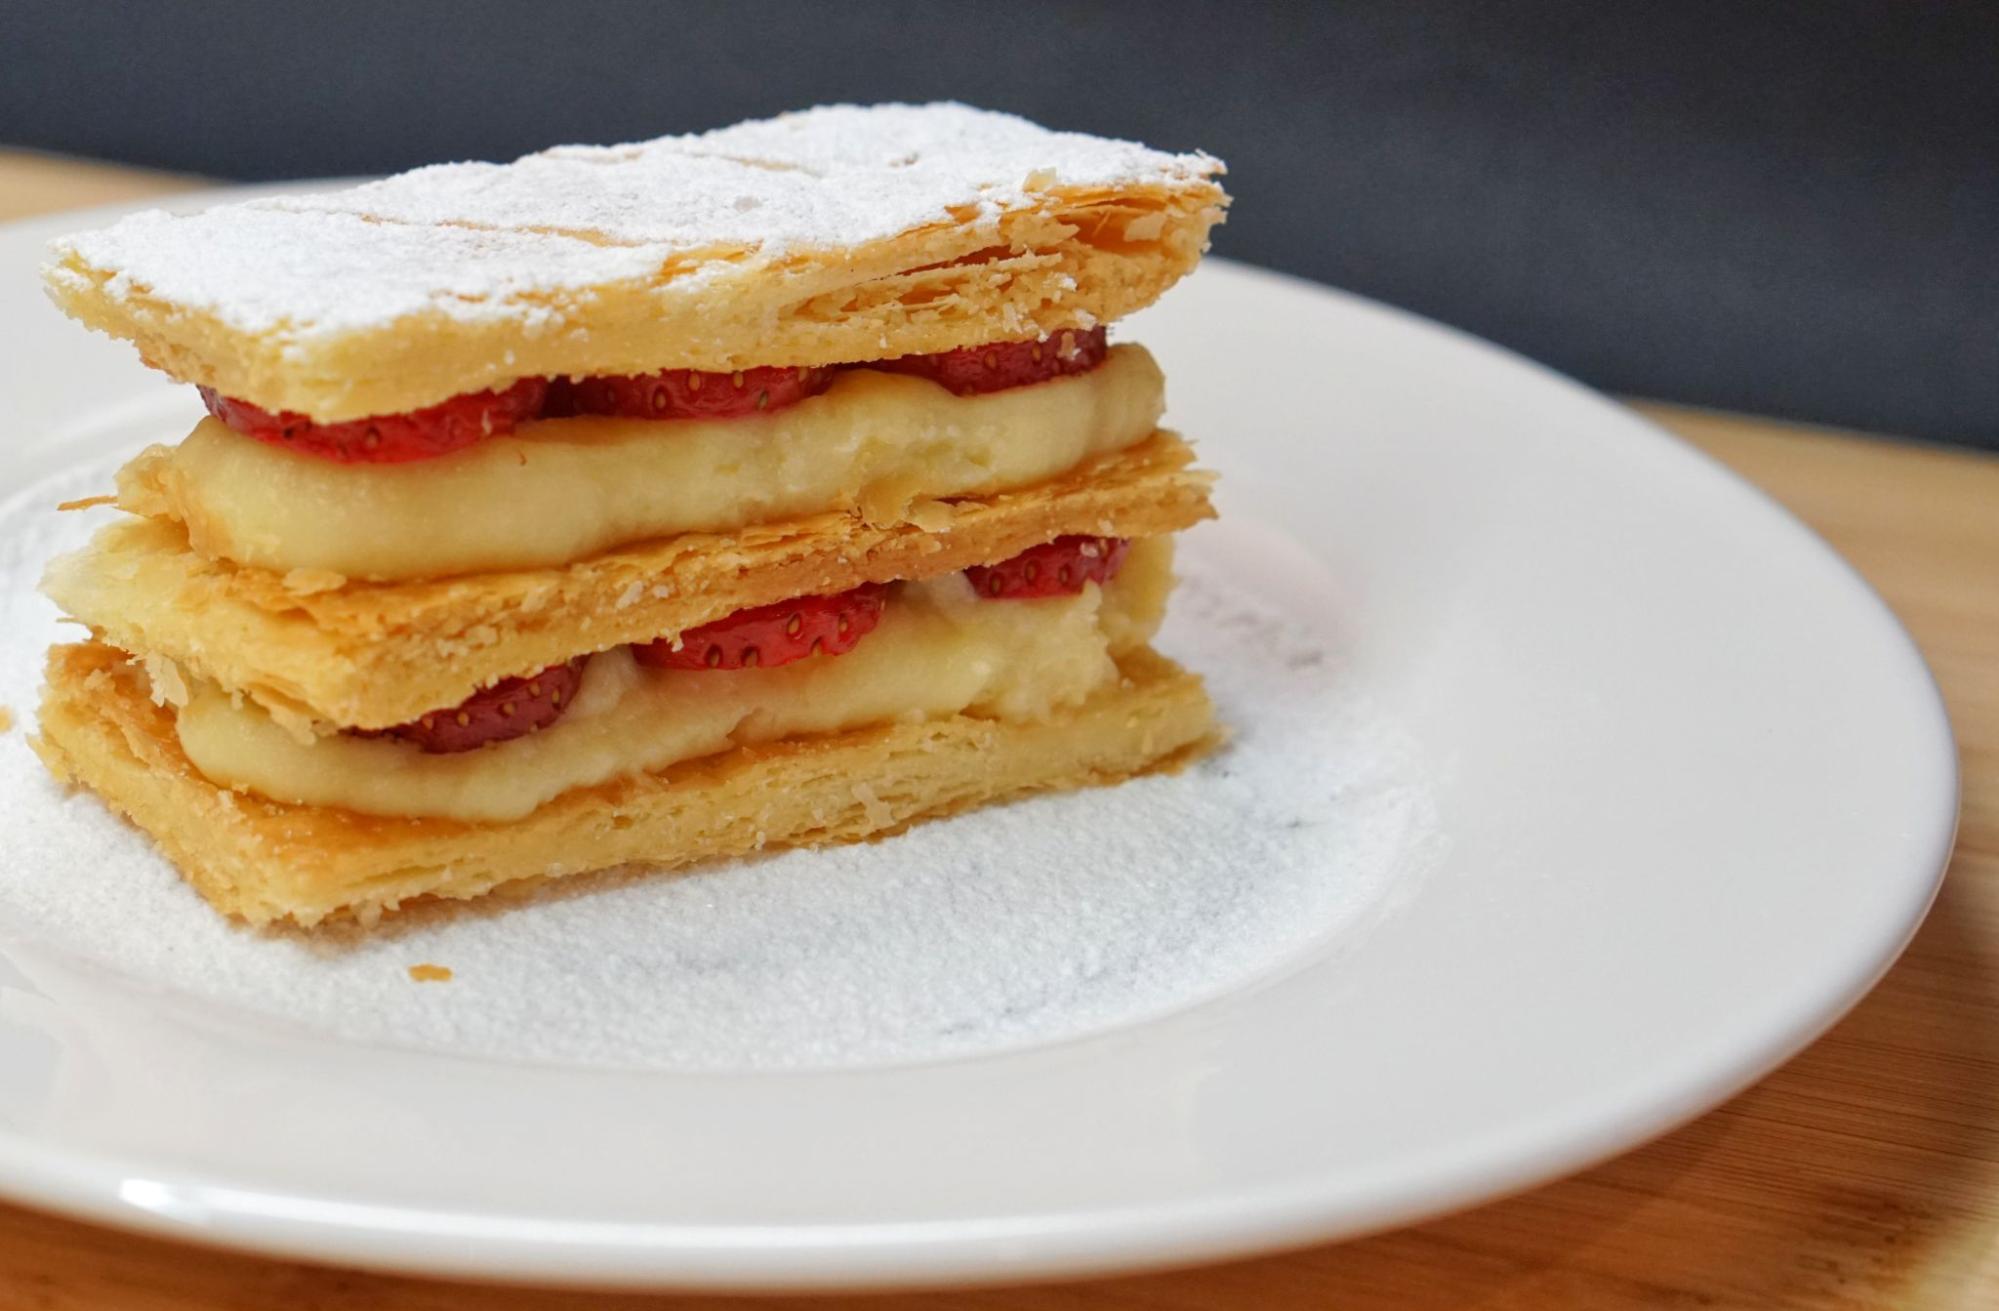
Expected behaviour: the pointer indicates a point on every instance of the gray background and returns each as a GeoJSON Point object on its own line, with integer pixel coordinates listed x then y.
{"type": "Point", "coordinates": [1785, 208]}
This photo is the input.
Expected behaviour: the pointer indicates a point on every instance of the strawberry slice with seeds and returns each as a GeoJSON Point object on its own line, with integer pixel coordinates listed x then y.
{"type": "Point", "coordinates": [1057, 568]}
{"type": "Point", "coordinates": [510, 708]}
{"type": "Point", "coordinates": [388, 438]}
{"type": "Point", "coordinates": [771, 635]}
{"type": "Point", "coordinates": [995, 366]}
{"type": "Point", "coordinates": [691, 393]}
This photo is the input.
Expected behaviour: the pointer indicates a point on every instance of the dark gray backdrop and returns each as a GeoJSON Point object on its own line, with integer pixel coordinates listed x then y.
{"type": "Point", "coordinates": [1788, 208]}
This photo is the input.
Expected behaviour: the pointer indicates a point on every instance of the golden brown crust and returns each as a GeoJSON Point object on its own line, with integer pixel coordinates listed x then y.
{"type": "Point", "coordinates": [1070, 262]}
{"type": "Point", "coordinates": [370, 655]}
{"type": "Point", "coordinates": [262, 861]}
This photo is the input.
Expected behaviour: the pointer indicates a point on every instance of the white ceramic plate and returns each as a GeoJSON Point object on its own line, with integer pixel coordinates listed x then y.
{"type": "Point", "coordinates": [1670, 789]}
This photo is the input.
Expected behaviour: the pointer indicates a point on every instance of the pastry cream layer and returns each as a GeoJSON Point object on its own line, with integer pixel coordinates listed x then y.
{"type": "Point", "coordinates": [940, 650]}
{"type": "Point", "coordinates": [559, 490]}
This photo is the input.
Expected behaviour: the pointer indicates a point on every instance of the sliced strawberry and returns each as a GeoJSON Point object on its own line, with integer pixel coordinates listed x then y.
{"type": "Point", "coordinates": [772, 635]}
{"type": "Point", "coordinates": [389, 438]}
{"type": "Point", "coordinates": [1057, 568]}
{"type": "Point", "coordinates": [510, 708]}
{"type": "Point", "coordinates": [1001, 364]}
{"type": "Point", "coordinates": [692, 394]}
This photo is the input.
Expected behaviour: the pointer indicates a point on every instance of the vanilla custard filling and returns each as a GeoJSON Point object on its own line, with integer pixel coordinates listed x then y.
{"type": "Point", "coordinates": [559, 490]}
{"type": "Point", "coordinates": [940, 650]}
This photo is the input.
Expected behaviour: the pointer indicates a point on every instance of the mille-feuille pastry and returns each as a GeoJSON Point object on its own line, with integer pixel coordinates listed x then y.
{"type": "Point", "coordinates": [638, 504]}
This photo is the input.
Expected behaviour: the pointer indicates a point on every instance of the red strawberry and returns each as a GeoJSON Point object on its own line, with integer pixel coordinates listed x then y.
{"type": "Point", "coordinates": [692, 394]}
{"type": "Point", "coordinates": [388, 438]}
{"type": "Point", "coordinates": [1001, 364]}
{"type": "Point", "coordinates": [1057, 568]}
{"type": "Point", "coordinates": [772, 635]}
{"type": "Point", "coordinates": [510, 708]}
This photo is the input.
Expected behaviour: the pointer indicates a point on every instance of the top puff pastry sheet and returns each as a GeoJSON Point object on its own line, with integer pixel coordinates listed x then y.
{"type": "Point", "coordinates": [837, 234]}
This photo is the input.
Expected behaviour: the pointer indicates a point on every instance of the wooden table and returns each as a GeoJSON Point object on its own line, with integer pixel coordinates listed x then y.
{"type": "Point", "coordinates": [1863, 1174]}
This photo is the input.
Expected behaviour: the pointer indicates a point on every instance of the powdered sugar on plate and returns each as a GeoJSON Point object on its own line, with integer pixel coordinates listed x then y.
{"type": "Point", "coordinates": [1024, 923]}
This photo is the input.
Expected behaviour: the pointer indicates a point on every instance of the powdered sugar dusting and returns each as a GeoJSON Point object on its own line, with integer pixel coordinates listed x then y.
{"type": "Point", "coordinates": [1018, 924]}
{"type": "Point", "coordinates": [478, 239]}
{"type": "Point", "coordinates": [262, 268]}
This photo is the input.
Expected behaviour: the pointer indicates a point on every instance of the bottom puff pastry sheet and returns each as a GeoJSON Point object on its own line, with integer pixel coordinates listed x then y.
{"type": "Point", "coordinates": [264, 862]}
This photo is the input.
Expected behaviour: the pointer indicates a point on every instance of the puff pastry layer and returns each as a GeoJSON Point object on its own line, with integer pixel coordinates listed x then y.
{"type": "Point", "coordinates": [834, 235]}
{"type": "Point", "coordinates": [262, 861]}
{"type": "Point", "coordinates": [370, 655]}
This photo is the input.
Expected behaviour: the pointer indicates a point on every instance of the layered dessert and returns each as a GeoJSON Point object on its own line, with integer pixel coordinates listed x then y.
{"type": "Point", "coordinates": [647, 504]}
